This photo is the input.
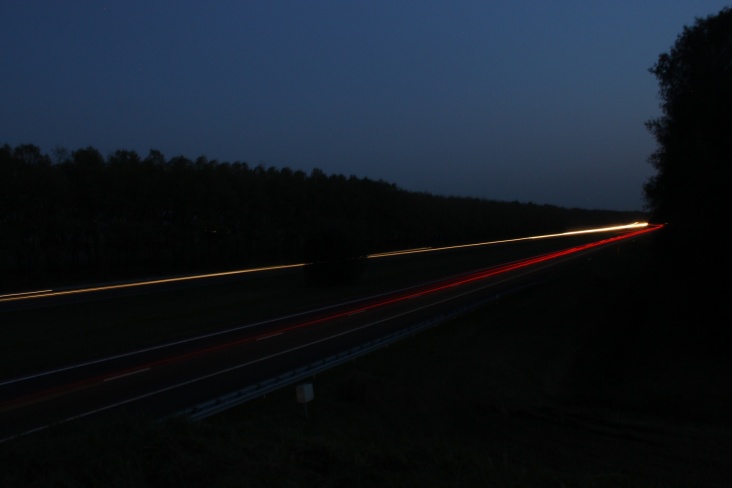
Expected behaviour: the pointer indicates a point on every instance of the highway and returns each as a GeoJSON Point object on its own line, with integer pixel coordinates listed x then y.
{"type": "Point", "coordinates": [163, 377]}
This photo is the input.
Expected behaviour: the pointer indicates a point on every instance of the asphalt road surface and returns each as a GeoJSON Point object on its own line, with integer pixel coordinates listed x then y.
{"type": "Point", "coordinates": [168, 377]}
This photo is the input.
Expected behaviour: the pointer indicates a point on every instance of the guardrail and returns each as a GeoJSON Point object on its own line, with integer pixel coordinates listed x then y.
{"type": "Point", "coordinates": [259, 389]}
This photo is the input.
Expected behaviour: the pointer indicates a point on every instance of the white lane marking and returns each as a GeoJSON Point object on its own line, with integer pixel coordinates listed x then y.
{"type": "Point", "coordinates": [212, 334]}
{"type": "Point", "coordinates": [271, 356]}
{"type": "Point", "coordinates": [126, 374]}
{"type": "Point", "coordinates": [210, 375]}
{"type": "Point", "coordinates": [270, 336]}
{"type": "Point", "coordinates": [239, 328]}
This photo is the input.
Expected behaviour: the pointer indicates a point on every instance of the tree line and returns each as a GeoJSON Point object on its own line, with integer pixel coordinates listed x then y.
{"type": "Point", "coordinates": [80, 216]}
{"type": "Point", "coordinates": [693, 158]}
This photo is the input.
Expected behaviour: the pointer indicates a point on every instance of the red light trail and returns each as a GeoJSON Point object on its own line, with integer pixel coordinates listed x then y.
{"type": "Point", "coordinates": [275, 332]}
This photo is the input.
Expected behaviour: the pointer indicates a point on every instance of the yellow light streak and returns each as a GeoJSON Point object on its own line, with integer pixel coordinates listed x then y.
{"type": "Point", "coordinates": [51, 293]}
{"type": "Point", "coordinates": [397, 253]}
{"type": "Point", "coordinates": [25, 293]}
{"type": "Point", "coordinates": [634, 225]}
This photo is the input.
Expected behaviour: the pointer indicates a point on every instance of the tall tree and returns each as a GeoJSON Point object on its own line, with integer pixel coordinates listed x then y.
{"type": "Point", "coordinates": [694, 132]}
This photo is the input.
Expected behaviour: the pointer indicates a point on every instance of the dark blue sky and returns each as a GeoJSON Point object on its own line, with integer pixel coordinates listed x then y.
{"type": "Point", "coordinates": [530, 101]}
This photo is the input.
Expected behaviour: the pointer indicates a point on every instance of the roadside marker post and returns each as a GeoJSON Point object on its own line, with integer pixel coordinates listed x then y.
{"type": "Point", "coordinates": [305, 394]}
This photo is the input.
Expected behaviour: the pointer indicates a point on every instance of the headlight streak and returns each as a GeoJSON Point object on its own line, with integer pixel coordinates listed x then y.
{"type": "Point", "coordinates": [430, 289]}
{"type": "Point", "coordinates": [25, 294]}
{"type": "Point", "coordinates": [634, 225]}
{"type": "Point", "coordinates": [53, 293]}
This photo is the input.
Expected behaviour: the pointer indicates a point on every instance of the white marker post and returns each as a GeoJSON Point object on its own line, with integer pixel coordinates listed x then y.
{"type": "Point", "coordinates": [304, 395]}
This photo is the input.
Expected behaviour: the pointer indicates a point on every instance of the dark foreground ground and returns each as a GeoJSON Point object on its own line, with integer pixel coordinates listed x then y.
{"type": "Point", "coordinates": [616, 373]}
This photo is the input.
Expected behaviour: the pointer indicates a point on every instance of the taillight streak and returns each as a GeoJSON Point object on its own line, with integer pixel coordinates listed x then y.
{"type": "Point", "coordinates": [434, 288]}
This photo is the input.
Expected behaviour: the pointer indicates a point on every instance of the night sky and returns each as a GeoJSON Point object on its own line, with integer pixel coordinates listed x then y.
{"type": "Point", "coordinates": [532, 101]}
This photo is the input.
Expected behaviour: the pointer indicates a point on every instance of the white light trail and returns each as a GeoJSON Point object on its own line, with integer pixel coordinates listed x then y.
{"type": "Point", "coordinates": [73, 291]}
{"type": "Point", "coordinates": [634, 225]}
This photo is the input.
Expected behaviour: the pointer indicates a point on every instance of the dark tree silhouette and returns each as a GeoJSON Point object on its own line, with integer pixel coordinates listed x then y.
{"type": "Point", "coordinates": [81, 217]}
{"type": "Point", "coordinates": [694, 133]}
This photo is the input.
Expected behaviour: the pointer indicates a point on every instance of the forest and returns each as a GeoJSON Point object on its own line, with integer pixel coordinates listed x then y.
{"type": "Point", "coordinates": [80, 217]}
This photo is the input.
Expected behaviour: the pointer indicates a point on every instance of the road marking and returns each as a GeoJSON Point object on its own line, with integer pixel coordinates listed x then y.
{"type": "Point", "coordinates": [269, 336]}
{"type": "Point", "coordinates": [126, 374]}
{"type": "Point", "coordinates": [269, 321]}
{"type": "Point", "coordinates": [203, 336]}
{"type": "Point", "coordinates": [552, 261]}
